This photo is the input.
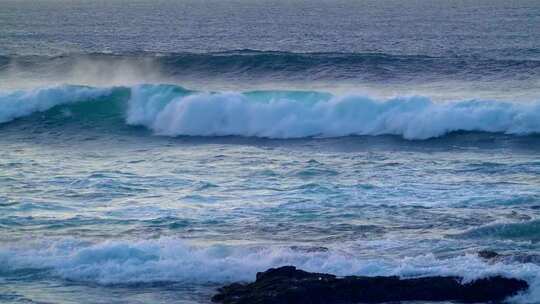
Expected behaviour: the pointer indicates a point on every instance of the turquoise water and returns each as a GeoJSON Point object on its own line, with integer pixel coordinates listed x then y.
{"type": "Point", "coordinates": [153, 152]}
{"type": "Point", "coordinates": [94, 201]}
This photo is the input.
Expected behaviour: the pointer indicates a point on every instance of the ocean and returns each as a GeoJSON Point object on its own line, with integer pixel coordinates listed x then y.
{"type": "Point", "coordinates": [153, 151]}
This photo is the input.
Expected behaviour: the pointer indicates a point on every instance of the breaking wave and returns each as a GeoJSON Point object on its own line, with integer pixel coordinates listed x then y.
{"type": "Point", "coordinates": [174, 111]}
{"type": "Point", "coordinates": [174, 260]}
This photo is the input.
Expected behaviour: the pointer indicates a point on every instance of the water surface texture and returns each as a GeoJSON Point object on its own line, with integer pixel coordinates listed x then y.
{"type": "Point", "coordinates": [152, 151]}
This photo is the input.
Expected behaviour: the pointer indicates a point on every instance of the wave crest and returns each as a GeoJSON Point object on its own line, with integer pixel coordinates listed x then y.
{"type": "Point", "coordinates": [174, 111]}
{"type": "Point", "coordinates": [287, 65]}
{"type": "Point", "coordinates": [22, 103]}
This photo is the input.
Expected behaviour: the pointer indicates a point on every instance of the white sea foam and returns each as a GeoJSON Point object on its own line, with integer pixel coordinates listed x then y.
{"type": "Point", "coordinates": [174, 260]}
{"type": "Point", "coordinates": [172, 111]}
{"type": "Point", "coordinates": [264, 114]}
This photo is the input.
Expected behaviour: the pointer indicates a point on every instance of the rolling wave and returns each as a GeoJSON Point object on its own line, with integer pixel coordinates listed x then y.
{"type": "Point", "coordinates": [174, 111]}
{"type": "Point", "coordinates": [291, 66]}
{"type": "Point", "coordinates": [520, 231]}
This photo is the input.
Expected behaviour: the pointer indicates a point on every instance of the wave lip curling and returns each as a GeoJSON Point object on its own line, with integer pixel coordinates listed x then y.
{"type": "Point", "coordinates": [174, 111]}
{"type": "Point", "coordinates": [278, 114]}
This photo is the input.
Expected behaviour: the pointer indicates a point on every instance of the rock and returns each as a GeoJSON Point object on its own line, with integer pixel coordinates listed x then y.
{"type": "Point", "coordinates": [494, 257]}
{"type": "Point", "coordinates": [488, 254]}
{"type": "Point", "coordinates": [287, 285]}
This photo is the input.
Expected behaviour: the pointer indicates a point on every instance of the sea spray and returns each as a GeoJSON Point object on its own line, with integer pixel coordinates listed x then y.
{"type": "Point", "coordinates": [174, 111]}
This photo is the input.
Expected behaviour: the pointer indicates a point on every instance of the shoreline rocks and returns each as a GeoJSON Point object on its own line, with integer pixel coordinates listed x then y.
{"type": "Point", "coordinates": [288, 285]}
{"type": "Point", "coordinates": [495, 257]}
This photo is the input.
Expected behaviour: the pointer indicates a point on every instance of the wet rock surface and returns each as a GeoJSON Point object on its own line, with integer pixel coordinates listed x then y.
{"type": "Point", "coordinates": [290, 285]}
{"type": "Point", "coordinates": [495, 257]}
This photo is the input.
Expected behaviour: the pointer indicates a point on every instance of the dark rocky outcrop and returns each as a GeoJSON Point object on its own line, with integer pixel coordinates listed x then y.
{"type": "Point", "coordinates": [488, 254]}
{"type": "Point", "coordinates": [495, 257]}
{"type": "Point", "coordinates": [287, 284]}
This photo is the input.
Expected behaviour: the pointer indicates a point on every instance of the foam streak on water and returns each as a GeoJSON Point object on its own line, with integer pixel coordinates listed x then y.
{"type": "Point", "coordinates": [95, 205]}
{"type": "Point", "coordinates": [152, 151]}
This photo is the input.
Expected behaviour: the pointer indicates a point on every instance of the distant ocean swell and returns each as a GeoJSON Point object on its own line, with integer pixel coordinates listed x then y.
{"type": "Point", "coordinates": [291, 66]}
{"type": "Point", "coordinates": [174, 111]}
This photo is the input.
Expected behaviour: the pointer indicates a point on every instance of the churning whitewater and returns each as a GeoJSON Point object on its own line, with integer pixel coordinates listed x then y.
{"type": "Point", "coordinates": [169, 260]}
{"type": "Point", "coordinates": [155, 151]}
{"type": "Point", "coordinates": [175, 111]}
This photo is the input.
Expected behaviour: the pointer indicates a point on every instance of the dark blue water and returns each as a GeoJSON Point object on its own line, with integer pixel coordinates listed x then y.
{"type": "Point", "coordinates": [152, 151]}
{"type": "Point", "coordinates": [493, 29]}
